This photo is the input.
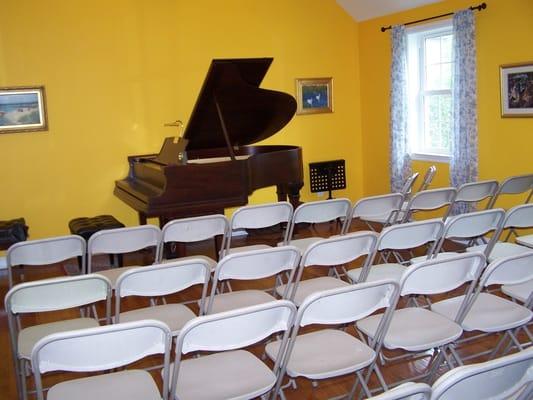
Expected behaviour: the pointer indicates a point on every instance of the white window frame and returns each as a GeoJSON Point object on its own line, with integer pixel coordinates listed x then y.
{"type": "Point", "coordinates": [416, 72]}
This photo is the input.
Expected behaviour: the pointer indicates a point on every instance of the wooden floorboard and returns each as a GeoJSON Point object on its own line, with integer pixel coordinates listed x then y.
{"type": "Point", "coordinates": [325, 389]}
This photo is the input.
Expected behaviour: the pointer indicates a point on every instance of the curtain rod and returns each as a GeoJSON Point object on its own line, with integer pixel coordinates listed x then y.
{"type": "Point", "coordinates": [480, 7]}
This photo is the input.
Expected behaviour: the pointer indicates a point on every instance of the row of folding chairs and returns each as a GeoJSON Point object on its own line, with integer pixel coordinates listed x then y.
{"type": "Point", "coordinates": [164, 279]}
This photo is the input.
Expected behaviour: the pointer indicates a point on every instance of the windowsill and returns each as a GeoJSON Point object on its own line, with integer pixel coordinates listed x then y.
{"type": "Point", "coordinates": [430, 157]}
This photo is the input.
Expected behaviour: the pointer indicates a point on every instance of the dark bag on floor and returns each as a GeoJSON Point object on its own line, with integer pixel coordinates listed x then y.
{"type": "Point", "coordinates": [13, 231]}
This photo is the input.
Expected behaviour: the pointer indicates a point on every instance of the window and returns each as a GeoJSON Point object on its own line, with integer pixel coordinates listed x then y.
{"type": "Point", "coordinates": [430, 68]}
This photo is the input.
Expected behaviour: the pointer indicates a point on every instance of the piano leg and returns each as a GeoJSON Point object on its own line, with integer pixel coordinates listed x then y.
{"type": "Point", "coordinates": [142, 218]}
{"type": "Point", "coordinates": [293, 192]}
{"type": "Point", "coordinates": [281, 192]}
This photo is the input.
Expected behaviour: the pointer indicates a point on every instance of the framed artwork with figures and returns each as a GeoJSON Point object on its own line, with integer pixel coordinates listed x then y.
{"type": "Point", "coordinates": [314, 95]}
{"type": "Point", "coordinates": [516, 81]}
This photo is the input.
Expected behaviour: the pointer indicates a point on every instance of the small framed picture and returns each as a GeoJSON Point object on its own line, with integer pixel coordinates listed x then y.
{"type": "Point", "coordinates": [22, 109]}
{"type": "Point", "coordinates": [516, 82]}
{"type": "Point", "coordinates": [314, 95]}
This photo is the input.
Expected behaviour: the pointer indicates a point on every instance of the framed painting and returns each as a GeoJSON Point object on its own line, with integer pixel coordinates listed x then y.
{"type": "Point", "coordinates": [314, 95]}
{"type": "Point", "coordinates": [516, 81]}
{"type": "Point", "coordinates": [22, 109]}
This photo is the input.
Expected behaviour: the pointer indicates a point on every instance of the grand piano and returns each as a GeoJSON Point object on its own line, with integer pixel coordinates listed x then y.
{"type": "Point", "coordinates": [220, 169]}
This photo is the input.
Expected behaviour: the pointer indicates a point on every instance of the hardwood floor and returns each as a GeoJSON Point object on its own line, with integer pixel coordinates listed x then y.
{"type": "Point", "coordinates": [325, 389]}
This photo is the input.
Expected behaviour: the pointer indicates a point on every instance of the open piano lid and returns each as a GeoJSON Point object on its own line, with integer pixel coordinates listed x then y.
{"type": "Point", "coordinates": [250, 114]}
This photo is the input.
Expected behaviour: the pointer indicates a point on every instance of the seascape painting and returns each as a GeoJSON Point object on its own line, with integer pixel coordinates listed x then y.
{"type": "Point", "coordinates": [313, 95]}
{"type": "Point", "coordinates": [22, 109]}
{"type": "Point", "coordinates": [517, 90]}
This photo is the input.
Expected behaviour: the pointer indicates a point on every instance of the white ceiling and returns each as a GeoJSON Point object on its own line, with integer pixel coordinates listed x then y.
{"type": "Point", "coordinates": [361, 10]}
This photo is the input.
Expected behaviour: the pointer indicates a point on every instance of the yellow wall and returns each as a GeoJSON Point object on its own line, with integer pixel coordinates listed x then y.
{"type": "Point", "coordinates": [504, 35]}
{"type": "Point", "coordinates": [116, 71]}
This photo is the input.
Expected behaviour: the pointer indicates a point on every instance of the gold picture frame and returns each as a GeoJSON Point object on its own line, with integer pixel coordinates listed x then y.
{"type": "Point", "coordinates": [23, 109]}
{"type": "Point", "coordinates": [314, 95]}
{"type": "Point", "coordinates": [516, 90]}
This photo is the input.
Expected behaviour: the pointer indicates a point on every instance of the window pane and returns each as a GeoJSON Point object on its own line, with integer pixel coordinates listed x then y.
{"type": "Point", "coordinates": [437, 123]}
{"type": "Point", "coordinates": [446, 48]}
{"type": "Point", "coordinates": [446, 76]}
{"type": "Point", "coordinates": [432, 50]}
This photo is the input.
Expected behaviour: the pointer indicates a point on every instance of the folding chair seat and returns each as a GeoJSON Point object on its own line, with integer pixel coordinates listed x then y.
{"type": "Point", "coordinates": [329, 352]}
{"type": "Point", "coordinates": [508, 377]}
{"type": "Point", "coordinates": [419, 329]}
{"type": "Point", "coordinates": [517, 217]}
{"type": "Point", "coordinates": [329, 253]}
{"type": "Point", "coordinates": [514, 185]}
{"type": "Point", "coordinates": [120, 241]}
{"type": "Point", "coordinates": [396, 238]}
{"type": "Point", "coordinates": [247, 266]}
{"type": "Point", "coordinates": [490, 313]}
{"type": "Point", "coordinates": [45, 252]}
{"type": "Point", "coordinates": [430, 200]}
{"type": "Point", "coordinates": [45, 296]}
{"type": "Point", "coordinates": [471, 193]}
{"type": "Point", "coordinates": [469, 226]}
{"type": "Point", "coordinates": [100, 349]}
{"type": "Point", "coordinates": [316, 212]}
{"type": "Point", "coordinates": [258, 217]}
{"type": "Point", "coordinates": [162, 280]}
{"type": "Point", "coordinates": [193, 230]}
{"type": "Point", "coordinates": [406, 391]}
{"type": "Point", "coordinates": [381, 209]}
{"type": "Point", "coordinates": [230, 372]}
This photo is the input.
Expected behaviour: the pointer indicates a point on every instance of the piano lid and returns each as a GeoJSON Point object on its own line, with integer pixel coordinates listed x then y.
{"type": "Point", "coordinates": [250, 113]}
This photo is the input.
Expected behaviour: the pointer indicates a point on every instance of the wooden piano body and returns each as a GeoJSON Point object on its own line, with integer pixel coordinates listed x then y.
{"type": "Point", "coordinates": [222, 169]}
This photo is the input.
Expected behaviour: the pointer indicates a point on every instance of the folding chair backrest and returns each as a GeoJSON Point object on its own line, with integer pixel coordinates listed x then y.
{"type": "Point", "coordinates": [236, 328]}
{"type": "Point", "coordinates": [195, 229]}
{"type": "Point", "coordinates": [441, 275]}
{"type": "Point", "coordinates": [124, 240]}
{"type": "Point", "coordinates": [163, 279]}
{"type": "Point", "coordinates": [509, 270]}
{"type": "Point", "coordinates": [497, 379]}
{"type": "Point", "coordinates": [514, 185]}
{"type": "Point", "coordinates": [519, 217]}
{"type": "Point", "coordinates": [409, 235]}
{"type": "Point", "coordinates": [261, 215]}
{"type": "Point", "coordinates": [257, 264]}
{"type": "Point", "coordinates": [101, 348]}
{"type": "Point", "coordinates": [428, 178]}
{"type": "Point", "coordinates": [44, 252]}
{"type": "Point", "coordinates": [429, 200]}
{"type": "Point", "coordinates": [340, 250]}
{"type": "Point", "coordinates": [373, 206]}
{"type": "Point", "coordinates": [406, 391]}
{"type": "Point", "coordinates": [57, 294]}
{"type": "Point", "coordinates": [347, 304]}
{"type": "Point", "coordinates": [472, 192]}
{"type": "Point", "coordinates": [473, 225]}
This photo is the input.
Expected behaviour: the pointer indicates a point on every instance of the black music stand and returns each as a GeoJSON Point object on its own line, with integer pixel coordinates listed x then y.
{"type": "Point", "coordinates": [327, 176]}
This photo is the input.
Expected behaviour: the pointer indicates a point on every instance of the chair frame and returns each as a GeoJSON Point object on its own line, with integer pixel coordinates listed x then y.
{"type": "Point", "coordinates": [413, 207]}
{"type": "Point", "coordinates": [514, 185]}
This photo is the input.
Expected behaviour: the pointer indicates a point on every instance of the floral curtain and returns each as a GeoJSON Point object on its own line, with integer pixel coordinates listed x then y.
{"type": "Point", "coordinates": [400, 162]}
{"type": "Point", "coordinates": [464, 154]}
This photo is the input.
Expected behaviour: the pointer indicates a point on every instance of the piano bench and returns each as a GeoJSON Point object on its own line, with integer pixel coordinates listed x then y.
{"type": "Point", "coordinates": [86, 227]}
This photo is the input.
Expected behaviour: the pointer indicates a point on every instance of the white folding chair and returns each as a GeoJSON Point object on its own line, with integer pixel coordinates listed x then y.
{"type": "Point", "coordinates": [45, 252]}
{"type": "Point", "coordinates": [518, 217]}
{"type": "Point", "coordinates": [120, 241]}
{"type": "Point", "coordinates": [329, 353]}
{"type": "Point", "coordinates": [428, 178]}
{"type": "Point", "coordinates": [406, 391]}
{"type": "Point", "coordinates": [247, 266]}
{"type": "Point", "coordinates": [44, 296]}
{"type": "Point", "coordinates": [505, 378]}
{"type": "Point", "coordinates": [489, 313]}
{"type": "Point", "coordinates": [100, 349]}
{"type": "Point", "coordinates": [162, 280]}
{"type": "Point", "coordinates": [257, 217]}
{"type": "Point", "coordinates": [329, 253]}
{"type": "Point", "coordinates": [196, 229]}
{"type": "Point", "coordinates": [315, 212]}
{"type": "Point", "coordinates": [396, 238]}
{"type": "Point", "coordinates": [231, 373]}
{"type": "Point", "coordinates": [383, 209]}
{"type": "Point", "coordinates": [430, 200]}
{"type": "Point", "coordinates": [513, 185]}
{"type": "Point", "coordinates": [407, 187]}
{"type": "Point", "coordinates": [468, 227]}
{"type": "Point", "coordinates": [472, 193]}
{"type": "Point", "coordinates": [419, 329]}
